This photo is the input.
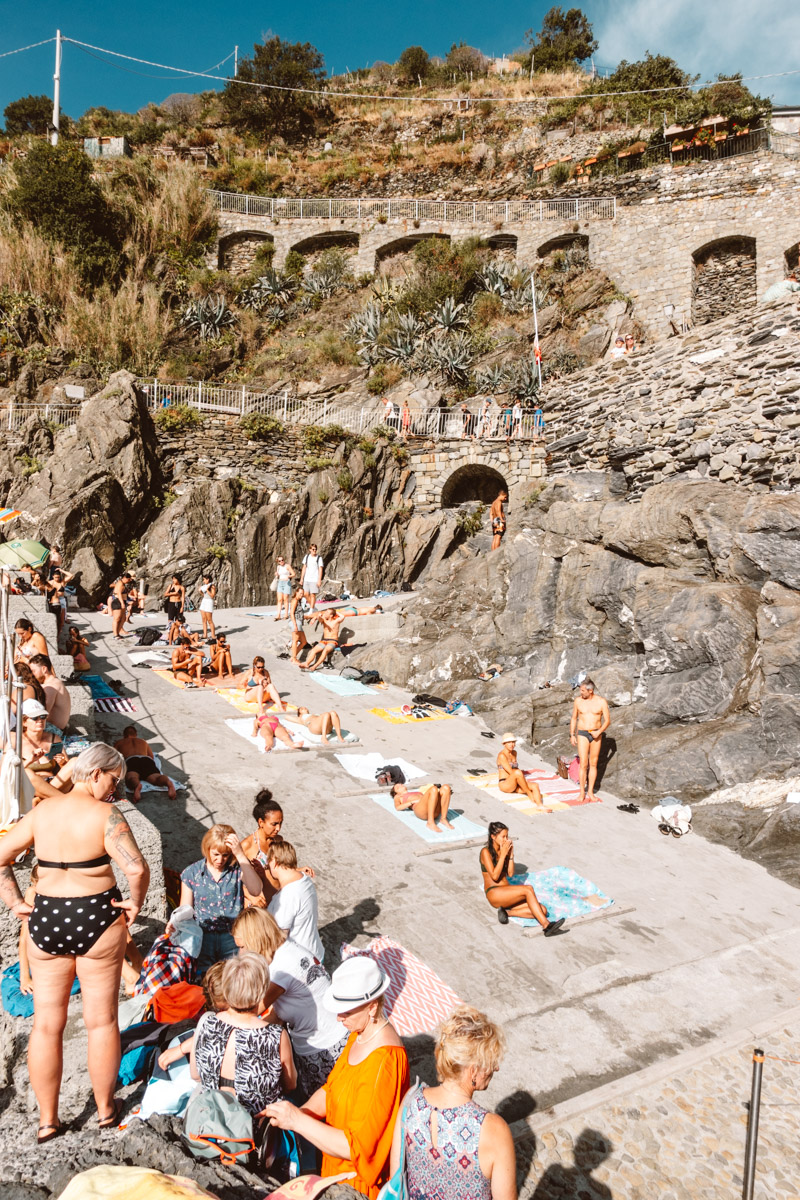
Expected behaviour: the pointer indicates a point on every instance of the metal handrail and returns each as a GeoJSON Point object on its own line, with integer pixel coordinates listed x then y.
{"type": "Point", "coordinates": [482, 212]}
{"type": "Point", "coordinates": [9, 678]}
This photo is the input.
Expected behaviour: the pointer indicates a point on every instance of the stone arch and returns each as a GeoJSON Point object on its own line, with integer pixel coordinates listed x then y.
{"type": "Point", "coordinates": [564, 241]}
{"type": "Point", "coordinates": [473, 481]}
{"type": "Point", "coordinates": [503, 243]}
{"type": "Point", "coordinates": [341, 239]}
{"type": "Point", "coordinates": [792, 258]}
{"type": "Point", "coordinates": [237, 251]}
{"type": "Point", "coordinates": [402, 245]}
{"type": "Point", "coordinates": [723, 277]}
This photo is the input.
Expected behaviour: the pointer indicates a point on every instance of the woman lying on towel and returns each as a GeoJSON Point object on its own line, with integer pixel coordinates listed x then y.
{"type": "Point", "coordinates": [510, 899]}
{"type": "Point", "coordinates": [430, 805]}
{"type": "Point", "coordinates": [268, 727]}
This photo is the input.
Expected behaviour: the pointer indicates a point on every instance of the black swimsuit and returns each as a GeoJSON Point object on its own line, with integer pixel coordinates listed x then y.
{"type": "Point", "coordinates": [72, 924]}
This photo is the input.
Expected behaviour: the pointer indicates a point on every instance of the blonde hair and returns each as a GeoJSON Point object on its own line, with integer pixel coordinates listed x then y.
{"type": "Point", "coordinates": [283, 853]}
{"type": "Point", "coordinates": [259, 931]}
{"type": "Point", "coordinates": [99, 757]}
{"type": "Point", "coordinates": [212, 987]}
{"type": "Point", "coordinates": [214, 839]}
{"type": "Point", "coordinates": [245, 981]}
{"type": "Point", "coordinates": [467, 1039]}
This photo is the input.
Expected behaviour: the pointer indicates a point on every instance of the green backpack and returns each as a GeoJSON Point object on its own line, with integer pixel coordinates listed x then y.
{"type": "Point", "coordinates": [217, 1126]}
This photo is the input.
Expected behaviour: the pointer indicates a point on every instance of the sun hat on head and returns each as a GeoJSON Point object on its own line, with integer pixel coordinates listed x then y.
{"type": "Point", "coordinates": [357, 981]}
{"type": "Point", "coordinates": [509, 737]}
{"type": "Point", "coordinates": [32, 708]}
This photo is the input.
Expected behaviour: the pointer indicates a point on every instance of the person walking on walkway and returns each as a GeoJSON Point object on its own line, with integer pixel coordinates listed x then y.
{"type": "Point", "coordinates": [77, 925]}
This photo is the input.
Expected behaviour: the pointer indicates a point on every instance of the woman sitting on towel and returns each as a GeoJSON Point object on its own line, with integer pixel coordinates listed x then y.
{"type": "Point", "coordinates": [351, 1117]}
{"type": "Point", "coordinates": [510, 899]}
{"type": "Point", "coordinates": [257, 684]}
{"type": "Point", "coordinates": [511, 776]}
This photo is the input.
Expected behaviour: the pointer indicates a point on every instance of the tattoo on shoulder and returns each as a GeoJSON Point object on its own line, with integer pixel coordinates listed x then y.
{"type": "Point", "coordinates": [121, 840]}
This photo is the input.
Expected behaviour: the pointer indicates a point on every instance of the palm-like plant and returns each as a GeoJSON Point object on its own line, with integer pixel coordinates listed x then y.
{"type": "Point", "coordinates": [270, 288]}
{"type": "Point", "coordinates": [399, 347]}
{"type": "Point", "coordinates": [451, 356]}
{"type": "Point", "coordinates": [491, 379]}
{"type": "Point", "coordinates": [449, 316]}
{"type": "Point", "coordinates": [208, 317]}
{"type": "Point", "coordinates": [496, 277]}
{"type": "Point", "coordinates": [386, 291]}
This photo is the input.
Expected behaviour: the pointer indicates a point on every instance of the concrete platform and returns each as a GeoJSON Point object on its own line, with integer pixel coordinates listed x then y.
{"type": "Point", "coordinates": [698, 942]}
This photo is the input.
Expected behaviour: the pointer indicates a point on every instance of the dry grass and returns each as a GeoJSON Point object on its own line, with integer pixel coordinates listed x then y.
{"type": "Point", "coordinates": [127, 328]}
{"type": "Point", "coordinates": [28, 263]}
{"type": "Point", "coordinates": [169, 214]}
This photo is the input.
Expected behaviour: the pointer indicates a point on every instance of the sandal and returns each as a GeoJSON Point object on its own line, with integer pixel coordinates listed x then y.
{"type": "Point", "coordinates": [48, 1137]}
{"type": "Point", "coordinates": [665, 829]}
{"type": "Point", "coordinates": [112, 1120]}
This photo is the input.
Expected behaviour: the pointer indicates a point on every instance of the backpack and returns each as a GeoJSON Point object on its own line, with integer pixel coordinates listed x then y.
{"type": "Point", "coordinates": [389, 775]}
{"type": "Point", "coordinates": [148, 637]}
{"type": "Point", "coordinates": [368, 677]}
{"type": "Point", "coordinates": [216, 1125]}
{"type": "Point", "coordinates": [351, 673]}
{"type": "Point", "coordinates": [426, 698]}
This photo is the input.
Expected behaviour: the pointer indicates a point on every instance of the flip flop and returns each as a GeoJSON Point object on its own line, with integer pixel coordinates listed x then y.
{"type": "Point", "coordinates": [48, 1137]}
{"type": "Point", "coordinates": [113, 1120]}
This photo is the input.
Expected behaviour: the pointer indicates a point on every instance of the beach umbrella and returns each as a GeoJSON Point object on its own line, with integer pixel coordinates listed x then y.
{"type": "Point", "coordinates": [7, 514]}
{"type": "Point", "coordinates": [23, 554]}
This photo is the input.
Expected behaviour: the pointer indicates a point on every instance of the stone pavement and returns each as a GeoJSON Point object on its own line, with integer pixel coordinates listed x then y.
{"type": "Point", "coordinates": [679, 1137]}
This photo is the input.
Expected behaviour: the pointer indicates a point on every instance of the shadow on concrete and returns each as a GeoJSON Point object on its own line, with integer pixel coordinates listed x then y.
{"type": "Point", "coordinates": [607, 752]}
{"type": "Point", "coordinates": [576, 1183]}
{"type": "Point", "coordinates": [347, 929]}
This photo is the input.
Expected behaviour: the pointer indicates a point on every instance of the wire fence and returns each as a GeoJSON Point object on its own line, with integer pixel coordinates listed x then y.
{"type": "Point", "coordinates": [479, 212]}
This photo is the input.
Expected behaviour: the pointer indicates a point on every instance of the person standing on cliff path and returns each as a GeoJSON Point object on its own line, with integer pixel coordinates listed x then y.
{"type": "Point", "coordinates": [497, 513]}
{"type": "Point", "coordinates": [590, 720]}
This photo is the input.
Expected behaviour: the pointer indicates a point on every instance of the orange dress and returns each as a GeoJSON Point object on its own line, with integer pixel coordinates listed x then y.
{"type": "Point", "coordinates": [363, 1101]}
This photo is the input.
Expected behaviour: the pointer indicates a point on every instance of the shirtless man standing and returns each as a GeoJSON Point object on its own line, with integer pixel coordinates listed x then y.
{"type": "Point", "coordinates": [590, 720]}
{"type": "Point", "coordinates": [498, 520]}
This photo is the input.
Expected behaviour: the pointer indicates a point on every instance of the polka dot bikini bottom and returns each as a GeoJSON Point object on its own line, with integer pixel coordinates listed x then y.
{"type": "Point", "coordinates": [71, 924]}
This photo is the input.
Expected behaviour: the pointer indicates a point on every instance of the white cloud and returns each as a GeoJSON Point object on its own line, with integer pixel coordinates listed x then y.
{"type": "Point", "coordinates": [706, 37]}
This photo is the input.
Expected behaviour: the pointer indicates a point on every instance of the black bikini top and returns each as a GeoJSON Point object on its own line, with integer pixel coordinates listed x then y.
{"type": "Point", "coordinates": [102, 861]}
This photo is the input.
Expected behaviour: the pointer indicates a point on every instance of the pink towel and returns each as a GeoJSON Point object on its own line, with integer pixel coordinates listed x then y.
{"type": "Point", "coordinates": [416, 1000]}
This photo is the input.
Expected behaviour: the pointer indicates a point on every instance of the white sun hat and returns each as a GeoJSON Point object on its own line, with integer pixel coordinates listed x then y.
{"type": "Point", "coordinates": [357, 981]}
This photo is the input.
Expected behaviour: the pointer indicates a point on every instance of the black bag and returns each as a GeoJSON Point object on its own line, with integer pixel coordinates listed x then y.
{"type": "Point", "coordinates": [148, 637]}
{"type": "Point", "coordinates": [389, 775]}
{"type": "Point", "coordinates": [368, 677]}
{"type": "Point", "coordinates": [426, 698]}
{"type": "Point", "coordinates": [405, 586]}
{"type": "Point", "coordinates": [351, 673]}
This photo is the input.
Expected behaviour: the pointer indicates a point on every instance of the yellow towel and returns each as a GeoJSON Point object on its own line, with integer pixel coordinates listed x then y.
{"type": "Point", "coordinates": [396, 716]}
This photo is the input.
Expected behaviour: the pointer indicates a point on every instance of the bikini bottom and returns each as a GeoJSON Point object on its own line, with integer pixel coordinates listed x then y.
{"type": "Point", "coordinates": [71, 924]}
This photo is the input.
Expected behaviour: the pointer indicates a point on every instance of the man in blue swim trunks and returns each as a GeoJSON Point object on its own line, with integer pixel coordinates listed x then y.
{"type": "Point", "coordinates": [590, 720]}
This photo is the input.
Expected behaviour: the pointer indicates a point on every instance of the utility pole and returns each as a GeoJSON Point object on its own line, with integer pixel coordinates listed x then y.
{"type": "Point", "coordinates": [235, 61]}
{"type": "Point", "coordinates": [537, 353]}
{"type": "Point", "coordinates": [57, 92]}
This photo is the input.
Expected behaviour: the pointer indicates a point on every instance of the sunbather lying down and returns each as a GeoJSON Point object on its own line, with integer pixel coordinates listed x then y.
{"type": "Point", "coordinates": [320, 723]}
{"type": "Point", "coordinates": [268, 727]}
{"type": "Point", "coordinates": [430, 805]}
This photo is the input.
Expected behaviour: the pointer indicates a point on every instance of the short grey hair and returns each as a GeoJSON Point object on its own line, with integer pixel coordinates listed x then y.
{"type": "Point", "coordinates": [99, 757]}
{"type": "Point", "coordinates": [245, 981]}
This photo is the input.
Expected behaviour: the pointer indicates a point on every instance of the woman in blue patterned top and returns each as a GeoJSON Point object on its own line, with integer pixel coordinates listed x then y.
{"type": "Point", "coordinates": [213, 887]}
{"type": "Point", "coordinates": [453, 1147]}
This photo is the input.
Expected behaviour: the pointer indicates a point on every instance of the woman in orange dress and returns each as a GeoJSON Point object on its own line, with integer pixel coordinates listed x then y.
{"type": "Point", "coordinates": [351, 1117]}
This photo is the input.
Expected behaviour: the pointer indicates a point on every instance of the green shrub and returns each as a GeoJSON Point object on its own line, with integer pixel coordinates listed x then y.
{"type": "Point", "coordinates": [471, 523]}
{"type": "Point", "coordinates": [345, 480]}
{"type": "Point", "coordinates": [164, 501]}
{"type": "Point", "coordinates": [315, 462]}
{"type": "Point", "coordinates": [385, 431]}
{"type": "Point", "coordinates": [399, 454]}
{"type": "Point", "coordinates": [366, 445]}
{"type": "Point", "coordinates": [218, 552]}
{"type": "Point", "coordinates": [317, 436]}
{"type": "Point", "coordinates": [30, 465]}
{"type": "Point", "coordinates": [369, 462]}
{"type": "Point", "coordinates": [178, 418]}
{"type": "Point", "coordinates": [382, 378]}
{"type": "Point", "coordinates": [323, 497]}
{"type": "Point", "coordinates": [295, 264]}
{"type": "Point", "coordinates": [560, 172]}
{"type": "Point", "coordinates": [332, 349]}
{"type": "Point", "coordinates": [260, 427]}
{"type": "Point", "coordinates": [486, 308]}
{"type": "Point", "coordinates": [131, 554]}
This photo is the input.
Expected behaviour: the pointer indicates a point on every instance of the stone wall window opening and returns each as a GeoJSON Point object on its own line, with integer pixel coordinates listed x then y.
{"type": "Point", "coordinates": [237, 251]}
{"type": "Point", "coordinates": [314, 245]}
{"type": "Point", "coordinates": [475, 483]}
{"type": "Point", "coordinates": [403, 245]}
{"type": "Point", "coordinates": [723, 278]}
{"type": "Point", "coordinates": [576, 245]}
{"type": "Point", "coordinates": [791, 258]}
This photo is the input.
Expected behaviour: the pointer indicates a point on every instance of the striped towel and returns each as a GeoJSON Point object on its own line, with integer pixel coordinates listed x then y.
{"type": "Point", "coordinates": [417, 1000]}
{"type": "Point", "coordinates": [114, 704]}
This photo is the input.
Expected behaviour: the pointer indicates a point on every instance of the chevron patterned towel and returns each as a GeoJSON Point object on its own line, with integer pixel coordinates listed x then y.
{"type": "Point", "coordinates": [416, 1000]}
{"type": "Point", "coordinates": [114, 704]}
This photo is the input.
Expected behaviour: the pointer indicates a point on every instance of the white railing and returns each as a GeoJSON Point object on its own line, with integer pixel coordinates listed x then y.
{"type": "Point", "coordinates": [479, 212]}
{"type": "Point", "coordinates": [8, 680]}
{"type": "Point", "coordinates": [17, 414]}
{"type": "Point", "coordinates": [239, 401]}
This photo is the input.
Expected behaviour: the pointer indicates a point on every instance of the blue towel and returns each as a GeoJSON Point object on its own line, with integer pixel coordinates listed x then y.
{"type": "Point", "coordinates": [340, 685]}
{"type": "Point", "coordinates": [462, 827]}
{"type": "Point", "coordinates": [563, 892]}
{"type": "Point", "coordinates": [14, 1002]}
{"type": "Point", "coordinates": [99, 688]}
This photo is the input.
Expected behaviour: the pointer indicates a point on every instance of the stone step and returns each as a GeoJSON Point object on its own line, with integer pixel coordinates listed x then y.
{"type": "Point", "coordinates": [376, 627]}
{"type": "Point", "coordinates": [82, 717]}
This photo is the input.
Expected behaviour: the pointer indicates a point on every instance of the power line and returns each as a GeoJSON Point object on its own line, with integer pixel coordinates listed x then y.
{"type": "Point", "coordinates": [144, 74]}
{"type": "Point", "coordinates": [32, 46]}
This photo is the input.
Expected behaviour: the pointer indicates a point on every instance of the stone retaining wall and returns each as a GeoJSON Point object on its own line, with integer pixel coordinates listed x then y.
{"type": "Point", "coordinates": [485, 467]}
{"type": "Point", "coordinates": [722, 403]}
{"type": "Point", "coordinates": [220, 449]}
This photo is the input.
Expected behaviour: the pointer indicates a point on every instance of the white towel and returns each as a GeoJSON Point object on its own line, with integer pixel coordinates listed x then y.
{"type": "Point", "coordinates": [364, 766]}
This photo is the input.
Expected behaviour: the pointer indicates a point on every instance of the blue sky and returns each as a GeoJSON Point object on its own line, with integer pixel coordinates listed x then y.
{"type": "Point", "coordinates": [706, 36]}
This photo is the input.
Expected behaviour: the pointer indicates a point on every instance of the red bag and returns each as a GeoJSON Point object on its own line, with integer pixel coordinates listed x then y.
{"type": "Point", "coordinates": [574, 770]}
{"type": "Point", "coordinates": [178, 1002]}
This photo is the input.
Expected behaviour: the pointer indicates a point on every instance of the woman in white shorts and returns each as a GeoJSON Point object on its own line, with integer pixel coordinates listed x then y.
{"type": "Point", "coordinates": [208, 590]}
{"type": "Point", "coordinates": [283, 574]}
{"type": "Point", "coordinates": [311, 575]}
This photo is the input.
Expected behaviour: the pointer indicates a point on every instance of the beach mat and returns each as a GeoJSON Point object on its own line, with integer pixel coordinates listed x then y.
{"type": "Point", "coordinates": [396, 716]}
{"type": "Point", "coordinates": [563, 892]}
{"type": "Point", "coordinates": [315, 739]}
{"type": "Point", "coordinates": [339, 685]}
{"type": "Point", "coordinates": [168, 677]}
{"type": "Point", "coordinates": [463, 829]}
{"type": "Point", "coordinates": [364, 766]}
{"type": "Point", "coordinates": [114, 704]}
{"type": "Point", "coordinates": [244, 727]}
{"type": "Point", "coordinates": [235, 696]}
{"type": "Point", "coordinates": [417, 1000]}
{"type": "Point", "coordinates": [557, 794]}
{"type": "Point", "coordinates": [99, 688]}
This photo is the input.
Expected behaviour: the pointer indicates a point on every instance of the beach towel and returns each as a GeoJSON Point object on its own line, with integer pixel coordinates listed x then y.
{"type": "Point", "coordinates": [154, 787]}
{"type": "Point", "coordinates": [243, 726]}
{"type": "Point", "coordinates": [315, 739]}
{"type": "Point", "coordinates": [396, 716]}
{"type": "Point", "coordinates": [236, 697]}
{"type": "Point", "coordinates": [140, 658]}
{"type": "Point", "coordinates": [417, 1000]}
{"type": "Point", "coordinates": [563, 892]}
{"type": "Point", "coordinates": [339, 685]}
{"type": "Point", "coordinates": [557, 794]}
{"type": "Point", "coordinates": [364, 766]}
{"type": "Point", "coordinates": [462, 830]}
{"type": "Point", "coordinates": [117, 704]}
{"type": "Point", "coordinates": [130, 1183]}
{"type": "Point", "coordinates": [18, 1003]}
{"type": "Point", "coordinates": [170, 678]}
{"type": "Point", "coordinates": [98, 687]}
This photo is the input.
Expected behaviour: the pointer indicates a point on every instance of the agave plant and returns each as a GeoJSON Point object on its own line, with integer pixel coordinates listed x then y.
{"type": "Point", "coordinates": [496, 277]}
{"type": "Point", "coordinates": [491, 379]}
{"type": "Point", "coordinates": [323, 283]}
{"type": "Point", "coordinates": [386, 292]}
{"type": "Point", "coordinates": [522, 380]}
{"type": "Point", "coordinates": [408, 323]}
{"type": "Point", "coordinates": [399, 347]}
{"type": "Point", "coordinates": [208, 317]}
{"type": "Point", "coordinates": [451, 357]}
{"type": "Point", "coordinates": [449, 316]}
{"type": "Point", "coordinates": [365, 330]}
{"type": "Point", "coordinates": [269, 288]}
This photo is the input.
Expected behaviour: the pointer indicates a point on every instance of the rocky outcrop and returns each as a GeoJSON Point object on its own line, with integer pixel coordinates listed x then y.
{"type": "Point", "coordinates": [684, 609]}
{"type": "Point", "coordinates": [91, 486]}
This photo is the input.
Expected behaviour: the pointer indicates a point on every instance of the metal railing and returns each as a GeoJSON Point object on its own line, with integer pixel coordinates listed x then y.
{"type": "Point", "coordinates": [56, 414]}
{"type": "Point", "coordinates": [479, 212]}
{"type": "Point", "coordinates": [437, 423]}
{"type": "Point", "coordinates": [9, 679]}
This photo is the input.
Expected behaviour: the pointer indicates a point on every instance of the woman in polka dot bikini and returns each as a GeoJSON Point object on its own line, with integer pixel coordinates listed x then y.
{"type": "Point", "coordinates": [77, 924]}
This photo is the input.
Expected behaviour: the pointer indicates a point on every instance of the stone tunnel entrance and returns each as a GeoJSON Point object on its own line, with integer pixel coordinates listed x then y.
{"type": "Point", "coordinates": [724, 278]}
{"type": "Point", "coordinates": [473, 481]}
